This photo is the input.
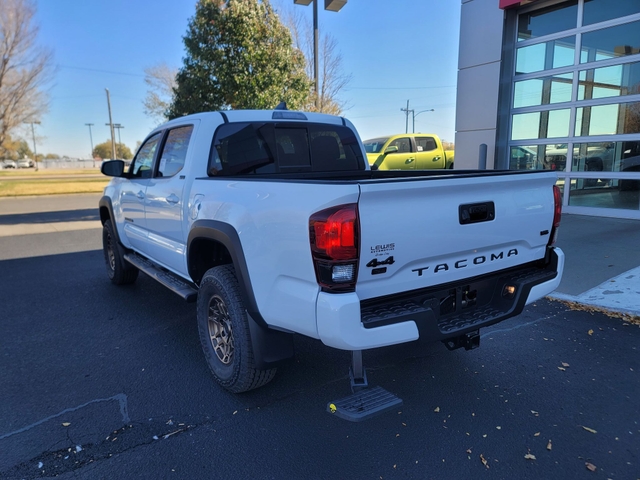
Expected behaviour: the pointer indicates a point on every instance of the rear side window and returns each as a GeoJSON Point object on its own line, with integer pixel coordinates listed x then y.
{"type": "Point", "coordinates": [283, 147]}
{"type": "Point", "coordinates": [174, 152]}
{"type": "Point", "coordinates": [425, 144]}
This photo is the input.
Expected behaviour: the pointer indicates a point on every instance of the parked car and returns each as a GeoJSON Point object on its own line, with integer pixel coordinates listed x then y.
{"type": "Point", "coordinates": [8, 164]}
{"type": "Point", "coordinates": [408, 151]}
{"type": "Point", "coordinates": [25, 163]}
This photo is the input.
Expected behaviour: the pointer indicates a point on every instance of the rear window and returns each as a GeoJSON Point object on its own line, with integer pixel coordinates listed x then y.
{"type": "Point", "coordinates": [270, 148]}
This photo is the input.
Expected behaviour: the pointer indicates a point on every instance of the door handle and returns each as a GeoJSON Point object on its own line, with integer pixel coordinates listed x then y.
{"type": "Point", "coordinates": [140, 194]}
{"type": "Point", "coordinates": [173, 198]}
{"type": "Point", "coordinates": [435, 159]}
{"type": "Point", "coordinates": [409, 160]}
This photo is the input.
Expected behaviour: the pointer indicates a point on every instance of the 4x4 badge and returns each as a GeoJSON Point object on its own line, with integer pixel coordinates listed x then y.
{"type": "Point", "coordinates": [376, 263]}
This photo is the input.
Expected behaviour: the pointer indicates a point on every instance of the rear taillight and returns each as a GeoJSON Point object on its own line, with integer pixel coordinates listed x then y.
{"type": "Point", "coordinates": [557, 214]}
{"type": "Point", "coordinates": [334, 247]}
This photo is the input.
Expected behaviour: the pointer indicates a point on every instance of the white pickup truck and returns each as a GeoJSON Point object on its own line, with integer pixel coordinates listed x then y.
{"type": "Point", "coordinates": [274, 222]}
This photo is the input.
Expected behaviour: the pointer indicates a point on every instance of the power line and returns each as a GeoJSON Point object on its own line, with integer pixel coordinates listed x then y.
{"type": "Point", "coordinates": [102, 71]}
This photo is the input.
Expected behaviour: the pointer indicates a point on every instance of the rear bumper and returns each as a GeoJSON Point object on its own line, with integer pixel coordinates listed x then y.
{"type": "Point", "coordinates": [433, 314]}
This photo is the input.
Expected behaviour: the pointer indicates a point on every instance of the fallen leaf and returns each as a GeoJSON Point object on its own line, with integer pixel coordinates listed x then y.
{"type": "Point", "coordinates": [534, 412]}
{"type": "Point", "coordinates": [468, 450]}
{"type": "Point", "coordinates": [498, 428]}
{"type": "Point", "coordinates": [563, 369]}
{"type": "Point", "coordinates": [590, 332]}
{"type": "Point", "coordinates": [565, 364]}
{"type": "Point", "coordinates": [537, 434]}
{"type": "Point", "coordinates": [549, 445]}
{"type": "Point", "coordinates": [235, 412]}
{"type": "Point", "coordinates": [591, 466]}
{"type": "Point", "coordinates": [484, 461]}
{"type": "Point", "coordinates": [437, 409]}
{"type": "Point", "coordinates": [530, 456]}
{"type": "Point", "coordinates": [589, 429]}
{"type": "Point", "coordinates": [66, 424]}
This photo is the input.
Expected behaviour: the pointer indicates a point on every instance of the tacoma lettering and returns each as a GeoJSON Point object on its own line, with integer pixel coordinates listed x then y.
{"type": "Point", "coordinates": [479, 260]}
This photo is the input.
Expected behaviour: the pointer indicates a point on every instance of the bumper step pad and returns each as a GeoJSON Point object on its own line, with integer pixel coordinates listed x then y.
{"type": "Point", "coordinates": [364, 404]}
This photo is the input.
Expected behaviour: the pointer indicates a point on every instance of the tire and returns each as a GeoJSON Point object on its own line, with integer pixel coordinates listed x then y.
{"type": "Point", "coordinates": [120, 271]}
{"type": "Point", "coordinates": [223, 328]}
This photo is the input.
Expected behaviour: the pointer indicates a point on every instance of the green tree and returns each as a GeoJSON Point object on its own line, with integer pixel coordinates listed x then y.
{"type": "Point", "coordinates": [15, 149]}
{"type": "Point", "coordinates": [239, 55]}
{"type": "Point", "coordinates": [103, 150]}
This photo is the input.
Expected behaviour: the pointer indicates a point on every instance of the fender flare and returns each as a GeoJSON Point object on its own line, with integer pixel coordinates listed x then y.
{"type": "Point", "coordinates": [270, 346]}
{"type": "Point", "coordinates": [228, 236]}
{"type": "Point", "coordinates": [105, 202]}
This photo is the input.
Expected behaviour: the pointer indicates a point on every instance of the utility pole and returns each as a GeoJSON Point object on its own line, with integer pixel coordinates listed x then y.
{"type": "Point", "coordinates": [113, 139]}
{"type": "Point", "coordinates": [118, 126]}
{"type": "Point", "coordinates": [91, 140]}
{"type": "Point", "coordinates": [406, 111]}
{"type": "Point", "coordinates": [315, 54]}
{"type": "Point", "coordinates": [333, 6]}
{"type": "Point", "coordinates": [35, 152]}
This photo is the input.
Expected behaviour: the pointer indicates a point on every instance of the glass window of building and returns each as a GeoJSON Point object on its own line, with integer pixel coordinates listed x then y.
{"type": "Point", "coordinates": [575, 98]}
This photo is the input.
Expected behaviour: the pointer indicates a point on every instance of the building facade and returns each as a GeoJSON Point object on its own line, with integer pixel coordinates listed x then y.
{"type": "Point", "coordinates": [555, 85]}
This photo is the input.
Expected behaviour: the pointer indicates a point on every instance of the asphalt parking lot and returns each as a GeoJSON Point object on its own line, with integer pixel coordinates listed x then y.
{"type": "Point", "coordinates": [108, 382]}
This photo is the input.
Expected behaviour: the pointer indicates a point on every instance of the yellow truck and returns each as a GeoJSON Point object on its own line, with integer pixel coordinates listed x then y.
{"type": "Point", "coordinates": [408, 151]}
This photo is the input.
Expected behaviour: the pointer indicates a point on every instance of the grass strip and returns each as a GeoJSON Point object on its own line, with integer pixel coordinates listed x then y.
{"type": "Point", "coordinates": [15, 188]}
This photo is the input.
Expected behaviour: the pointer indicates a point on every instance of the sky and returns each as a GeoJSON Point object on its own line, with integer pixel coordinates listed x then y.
{"type": "Point", "coordinates": [394, 50]}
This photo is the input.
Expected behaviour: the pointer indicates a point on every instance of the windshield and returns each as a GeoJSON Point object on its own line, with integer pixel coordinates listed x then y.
{"type": "Point", "coordinates": [375, 144]}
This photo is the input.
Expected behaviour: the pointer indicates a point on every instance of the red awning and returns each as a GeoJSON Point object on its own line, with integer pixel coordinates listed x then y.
{"type": "Point", "coordinates": [508, 3]}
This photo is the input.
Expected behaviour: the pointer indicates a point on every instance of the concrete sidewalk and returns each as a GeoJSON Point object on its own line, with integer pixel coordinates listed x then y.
{"type": "Point", "coordinates": [602, 266]}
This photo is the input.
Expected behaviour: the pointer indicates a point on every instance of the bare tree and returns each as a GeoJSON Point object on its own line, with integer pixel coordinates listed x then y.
{"type": "Point", "coordinates": [161, 80]}
{"type": "Point", "coordinates": [25, 68]}
{"type": "Point", "coordinates": [332, 78]}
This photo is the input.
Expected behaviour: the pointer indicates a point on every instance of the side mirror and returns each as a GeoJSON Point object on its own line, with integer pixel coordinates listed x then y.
{"type": "Point", "coordinates": [113, 168]}
{"type": "Point", "coordinates": [392, 149]}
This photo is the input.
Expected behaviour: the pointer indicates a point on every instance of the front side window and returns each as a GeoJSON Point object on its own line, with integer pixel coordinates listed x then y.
{"type": "Point", "coordinates": [142, 165]}
{"type": "Point", "coordinates": [403, 144]}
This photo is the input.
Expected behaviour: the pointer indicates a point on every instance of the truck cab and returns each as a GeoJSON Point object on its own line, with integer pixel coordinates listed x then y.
{"type": "Point", "coordinates": [409, 151]}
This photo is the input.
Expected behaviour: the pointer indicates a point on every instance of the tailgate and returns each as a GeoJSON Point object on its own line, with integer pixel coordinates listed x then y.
{"type": "Point", "coordinates": [417, 233]}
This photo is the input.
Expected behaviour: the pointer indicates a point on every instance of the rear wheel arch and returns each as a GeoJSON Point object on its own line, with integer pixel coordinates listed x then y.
{"type": "Point", "coordinates": [212, 243]}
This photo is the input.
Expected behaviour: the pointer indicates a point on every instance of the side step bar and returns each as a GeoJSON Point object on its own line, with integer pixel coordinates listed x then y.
{"type": "Point", "coordinates": [168, 279]}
